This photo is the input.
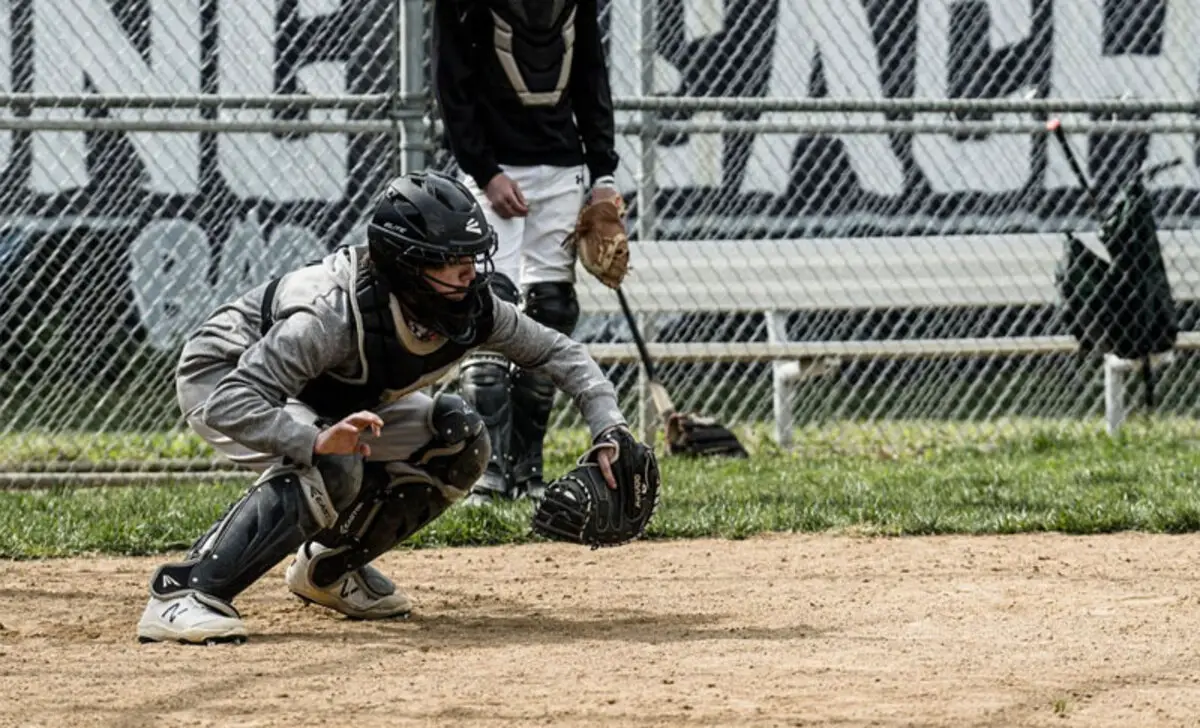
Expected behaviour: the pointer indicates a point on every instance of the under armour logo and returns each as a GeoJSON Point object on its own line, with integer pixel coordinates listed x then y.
{"type": "Point", "coordinates": [472, 226]}
{"type": "Point", "coordinates": [348, 588]}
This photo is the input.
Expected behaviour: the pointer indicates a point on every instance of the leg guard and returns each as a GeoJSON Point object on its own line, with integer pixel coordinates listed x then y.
{"type": "Point", "coordinates": [485, 383]}
{"type": "Point", "coordinates": [556, 306]}
{"type": "Point", "coordinates": [285, 507]}
{"type": "Point", "coordinates": [397, 501]}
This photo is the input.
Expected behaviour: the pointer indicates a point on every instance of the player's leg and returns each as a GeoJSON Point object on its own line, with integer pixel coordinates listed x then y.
{"type": "Point", "coordinates": [485, 377]}
{"type": "Point", "coordinates": [485, 381]}
{"type": "Point", "coordinates": [192, 600]}
{"type": "Point", "coordinates": [548, 276]}
{"type": "Point", "coordinates": [429, 454]}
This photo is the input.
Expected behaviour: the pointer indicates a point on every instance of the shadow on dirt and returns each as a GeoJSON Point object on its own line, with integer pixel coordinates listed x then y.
{"type": "Point", "coordinates": [449, 630]}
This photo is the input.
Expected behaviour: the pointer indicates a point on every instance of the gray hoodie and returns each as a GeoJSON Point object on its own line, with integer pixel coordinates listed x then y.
{"type": "Point", "coordinates": [242, 379]}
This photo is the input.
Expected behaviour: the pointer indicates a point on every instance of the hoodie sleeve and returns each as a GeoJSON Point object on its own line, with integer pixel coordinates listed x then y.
{"type": "Point", "coordinates": [454, 86]}
{"type": "Point", "coordinates": [247, 405]}
{"type": "Point", "coordinates": [591, 95]}
{"type": "Point", "coordinates": [531, 345]}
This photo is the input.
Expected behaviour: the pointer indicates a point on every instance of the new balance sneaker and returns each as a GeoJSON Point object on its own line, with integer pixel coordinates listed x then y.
{"type": "Point", "coordinates": [364, 593]}
{"type": "Point", "coordinates": [190, 618]}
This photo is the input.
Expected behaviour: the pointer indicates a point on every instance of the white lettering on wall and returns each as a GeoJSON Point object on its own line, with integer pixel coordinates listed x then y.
{"type": "Point", "coordinates": [170, 261]}
{"type": "Point", "coordinates": [168, 277]}
{"type": "Point", "coordinates": [694, 163]}
{"type": "Point", "coordinates": [1080, 71]}
{"type": "Point", "coordinates": [999, 163]}
{"type": "Point", "coordinates": [74, 39]}
{"type": "Point", "coordinates": [314, 167]}
{"type": "Point", "coordinates": [841, 32]}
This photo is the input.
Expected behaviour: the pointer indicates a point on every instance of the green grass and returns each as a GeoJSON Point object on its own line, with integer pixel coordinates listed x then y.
{"type": "Point", "coordinates": [916, 478]}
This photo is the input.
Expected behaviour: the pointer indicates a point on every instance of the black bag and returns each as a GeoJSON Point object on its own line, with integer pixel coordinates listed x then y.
{"type": "Point", "coordinates": [1125, 307]}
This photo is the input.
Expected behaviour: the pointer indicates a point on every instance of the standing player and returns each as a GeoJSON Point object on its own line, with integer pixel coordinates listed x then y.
{"type": "Point", "coordinates": [313, 379]}
{"type": "Point", "coordinates": [525, 100]}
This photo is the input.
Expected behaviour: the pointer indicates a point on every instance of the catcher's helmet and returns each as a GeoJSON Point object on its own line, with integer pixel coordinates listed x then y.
{"type": "Point", "coordinates": [425, 220]}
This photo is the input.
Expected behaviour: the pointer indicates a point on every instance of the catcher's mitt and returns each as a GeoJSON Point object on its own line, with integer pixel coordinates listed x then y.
{"type": "Point", "coordinates": [600, 240]}
{"type": "Point", "coordinates": [580, 507]}
{"type": "Point", "coordinates": [694, 435]}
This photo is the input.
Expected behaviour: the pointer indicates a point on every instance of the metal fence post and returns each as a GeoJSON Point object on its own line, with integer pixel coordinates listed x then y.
{"type": "Point", "coordinates": [646, 187]}
{"type": "Point", "coordinates": [411, 56]}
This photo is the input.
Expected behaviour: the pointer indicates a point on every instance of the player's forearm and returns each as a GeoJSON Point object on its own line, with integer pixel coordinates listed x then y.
{"type": "Point", "coordinates": [533, 346]}
{"type": "Point", "coordinates": [247, 404]}
{"type": "Point", "coordinates": [455, 92]}
{"type": "Point", "coordinates": [237, 412]}
{"type": "Point", "coordinates": [591, 96]}
{"type": "Point", "coordinates": [467, 141]}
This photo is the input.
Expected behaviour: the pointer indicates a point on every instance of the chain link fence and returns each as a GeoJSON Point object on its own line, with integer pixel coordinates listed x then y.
{"type": "Point", "coordinates": [842, 211]}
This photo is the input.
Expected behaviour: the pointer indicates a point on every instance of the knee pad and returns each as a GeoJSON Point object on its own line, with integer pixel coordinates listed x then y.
{"type": "Point", "coordinates": [554, 305]}
{"type": "Point", "coordinates": [286, 507]}
{"type": "Point", "coordinates": [504, 288]}
{"type": "Point", "coordinates": [397, 500]}
{"type": "Point", "coordinates": [460, 449]}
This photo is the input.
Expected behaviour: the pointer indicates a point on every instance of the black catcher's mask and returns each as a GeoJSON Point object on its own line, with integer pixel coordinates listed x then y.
{"type": "Point", "coordinates": [424, 220]}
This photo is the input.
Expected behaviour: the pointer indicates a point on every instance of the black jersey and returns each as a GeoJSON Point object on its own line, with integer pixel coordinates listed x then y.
{"type": "Point", "coordinates": [523, 83]}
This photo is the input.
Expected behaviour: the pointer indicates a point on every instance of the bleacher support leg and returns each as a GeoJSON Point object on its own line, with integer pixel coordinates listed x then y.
{"type": "Point", "coordinates": [781, 383]}
{"type": "Point", "coordinates": [1114, 393]}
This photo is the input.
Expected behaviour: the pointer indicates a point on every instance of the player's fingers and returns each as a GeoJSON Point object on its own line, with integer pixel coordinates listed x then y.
{"type": "Point", "coordinates": [502, 208]}
{"type": "Point", "coordinates": [519, 197]}
{"type": "Point", "coordinates": [362, 420]}
{"type": "Point", "coordinates": [364, 449]}
{"type": "Point", "coordinates": [516, 205]}
{"type": "Point", "coordinates": [603, 458]}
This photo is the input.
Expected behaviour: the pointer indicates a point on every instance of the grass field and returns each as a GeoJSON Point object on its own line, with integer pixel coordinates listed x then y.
{"type": "Point", "coordinates": [894, 480]}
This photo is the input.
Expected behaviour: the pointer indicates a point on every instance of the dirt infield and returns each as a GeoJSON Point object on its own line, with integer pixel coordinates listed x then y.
{"type": "Point", "coordinates": [784, 630]}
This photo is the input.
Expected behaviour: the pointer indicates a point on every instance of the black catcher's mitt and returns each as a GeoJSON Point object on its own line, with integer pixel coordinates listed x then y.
{"type": "Point", "coordinates": [580, 508]}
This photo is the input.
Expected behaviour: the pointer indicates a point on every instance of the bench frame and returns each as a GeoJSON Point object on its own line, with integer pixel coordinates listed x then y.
{"type": "Point", "coordinates": [753, 277]}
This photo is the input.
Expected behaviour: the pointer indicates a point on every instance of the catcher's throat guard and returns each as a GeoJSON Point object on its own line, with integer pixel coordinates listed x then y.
{"type": "Point", "coordinates": [581, 508]}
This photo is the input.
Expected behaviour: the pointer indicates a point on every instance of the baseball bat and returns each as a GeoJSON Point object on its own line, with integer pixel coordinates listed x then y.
{"type": "Point", "coordinates": [658, 392]}
{"type": "Point", "coordinates": [1060, 135]}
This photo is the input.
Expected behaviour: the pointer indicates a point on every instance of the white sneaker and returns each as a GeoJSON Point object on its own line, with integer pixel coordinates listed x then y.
{"type": "Point", "coordinates": [190, 618]}
{"type": "Point", "coordinates": [364, 593]}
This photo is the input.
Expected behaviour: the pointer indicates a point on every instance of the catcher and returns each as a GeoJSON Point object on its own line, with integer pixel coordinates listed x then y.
{"type": "Point", "coordinates": [523, 91]}
{"type": "Point", "coordinates": [314, 379]}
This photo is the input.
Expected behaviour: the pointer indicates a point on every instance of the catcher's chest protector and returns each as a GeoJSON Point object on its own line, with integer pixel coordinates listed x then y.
{"type": "Point", "coordinates": [533, 42]}
{"type": "Point", "coordinates": [388, 363]}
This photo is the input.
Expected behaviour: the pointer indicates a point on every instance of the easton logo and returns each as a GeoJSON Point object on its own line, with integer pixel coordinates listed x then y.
{"type": "Point", "coordinates": [472, 226]}
{"type": "Point", "coordinates": [169, 581]}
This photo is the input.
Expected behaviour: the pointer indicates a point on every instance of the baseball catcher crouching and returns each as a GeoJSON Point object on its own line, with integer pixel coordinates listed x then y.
{"type": "Point", "coordinates": [602, 503]}
{"type": "Point", "coordinates": [316, 381]}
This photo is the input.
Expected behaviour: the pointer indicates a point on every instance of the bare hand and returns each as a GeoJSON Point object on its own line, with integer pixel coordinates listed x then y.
{"type": "Point", "coordinates": [342, 438]}
{"type": "Point", "coordinates": [604, 459]}
{"type": "Point", "coordinates": [505, 196]}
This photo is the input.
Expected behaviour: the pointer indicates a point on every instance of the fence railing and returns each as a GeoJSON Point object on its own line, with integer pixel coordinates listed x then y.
{"type": "Point", "coordinates": [151, 175]}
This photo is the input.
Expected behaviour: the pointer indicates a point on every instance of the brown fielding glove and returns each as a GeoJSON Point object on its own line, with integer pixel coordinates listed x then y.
{"type": "Point", "coordinates": [600, 240]}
